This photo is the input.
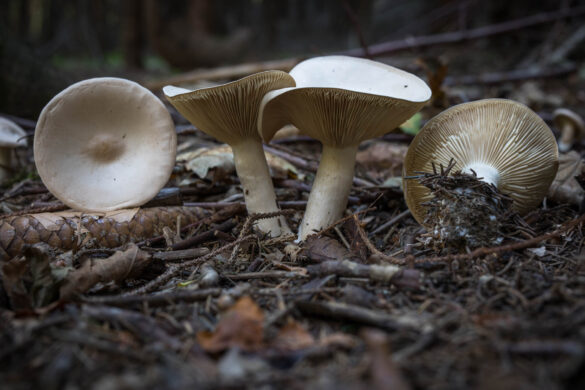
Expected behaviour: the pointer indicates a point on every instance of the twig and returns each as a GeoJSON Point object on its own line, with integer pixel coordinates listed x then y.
{"type": "Point", "coordinates": [265, 274]}
{"type": "Point", "coordinates": [466, 35]}
{"type": "Point", "coordinates": [173, 270]}
{"type": "Point", "coordinates": [389, 274]}
{"type": "Point", "coordinates": [391, 222]}
{"type": "Point", "coordinates": [512, 75]}
{"type": "Point", "coordinates": [157, 300]}
{"type": "Point", "coordinates": [371, 246]}
{"type": "Point", "coordinates": [480, 252]}
{"type": "Point", "coordinates": [248, 225]}
{"type": "Point", "coordinates": [205, 236]}
{"type": "Point", "coordinates": [344, 312]}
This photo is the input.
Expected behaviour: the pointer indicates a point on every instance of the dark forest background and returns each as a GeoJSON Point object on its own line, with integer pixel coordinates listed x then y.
{"type": "Point", "coordinates": [46, 44]}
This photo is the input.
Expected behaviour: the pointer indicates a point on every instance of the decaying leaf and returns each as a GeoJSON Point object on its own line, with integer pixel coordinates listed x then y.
{"type": "Point", "coordinates": [382, 160]}
{"type": "Point", "coordinates": [220, 159]}
{"type": "Point", "coordinates": [29, 280]}
{"type": "Point", "coordinates": [322, 248]}
{"type": "Point", "coordinates": [118, 267]}
{"type": "Point", "coordinates": [293, 336]}
{"type": "Point", "coordinates": [241, 326]}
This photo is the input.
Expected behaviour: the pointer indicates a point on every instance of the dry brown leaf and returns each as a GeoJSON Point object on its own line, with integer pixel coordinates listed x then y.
{"type": "Point", "coordinates": [293, 336]}
{"type": "Point", "coordinates": [241, 326]}
{"type": "Point", "coordinates": [320, 249]}
{"type": "Point", "coordinates": [118, 267]}
{"type": "Point", "coordinates": [382, 160]}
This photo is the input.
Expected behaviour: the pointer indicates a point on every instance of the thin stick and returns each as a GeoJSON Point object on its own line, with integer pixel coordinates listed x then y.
{"type": "Point", "coordinates": [466, 35]}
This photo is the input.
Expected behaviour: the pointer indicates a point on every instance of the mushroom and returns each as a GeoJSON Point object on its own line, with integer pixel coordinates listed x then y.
{"type": "Point", "coordinates": [501, 141]}
{"type": "Point", "coordinates": [105, 144]}
{"type": "Point", "coordinates": [340, 101]}
{"type": "Point", "coordinates": [571, 126]}
{"type": "Point", "coordinates": [11, 136]}
{"type": "Point", "coordinates": [229, 112]}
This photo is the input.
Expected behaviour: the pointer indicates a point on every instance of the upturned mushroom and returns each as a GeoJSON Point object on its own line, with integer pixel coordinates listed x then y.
{"type": "Point", "coordinates": [502, 142]}
{"type": "Point", "coordinates": [571, 126]}
{"type": "Point", "coordinates": [340, 101]}
{"type": "Point", "coordinates": [105, 144]}
{"type": "Point", "coordinates": [11, 136]}
{"type": "Point", "coordinates": [229, 112]}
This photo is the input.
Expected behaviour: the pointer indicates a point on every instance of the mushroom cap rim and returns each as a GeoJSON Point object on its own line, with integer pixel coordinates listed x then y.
{"type": "Point", "coordinates": [561, 115]}
{"type": "Point", "coordinates": [172, 91]}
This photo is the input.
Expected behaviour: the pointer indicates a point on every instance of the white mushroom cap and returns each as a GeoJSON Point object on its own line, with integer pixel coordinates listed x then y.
{"type": "Point", "coordinates": [571, 126]}
{"type": "Point", "coordinates": [11, 135]}
{"type": "Point", "coordinates": [342, 101]}
{"type": "Point", "coordinates": [104, 144]}
{"type": "Point", "coordinates": [503, 141]}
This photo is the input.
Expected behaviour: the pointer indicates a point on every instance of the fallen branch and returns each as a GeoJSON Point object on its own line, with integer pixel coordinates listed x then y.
{"type": "Point", "coordinates": [388, 274]}
{"type": "Point", "coordinates": [344, 312]}
{"type": "Point", "coordinates": [465, 35]}
{"type": "Point", "coordinates": [157, 300]}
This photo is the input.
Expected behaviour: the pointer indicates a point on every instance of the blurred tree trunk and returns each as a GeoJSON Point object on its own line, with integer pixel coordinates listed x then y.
{"type": "Point", "coordinates": [132, 40]}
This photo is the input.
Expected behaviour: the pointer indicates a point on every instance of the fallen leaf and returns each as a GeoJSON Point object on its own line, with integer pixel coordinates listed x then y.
{"type": "Point", "coordinates": [241, 326]}
{"type": "Point", "coordinates": [321, 248]}
{"type": "Point", "coordinates": [382, 160]}
{"type": "Point", "coordinates": [293, 336]}
{"type": "Point", "coordinates": [29, 280]}
{"type": "Point", "coordinates": [118, 267]}
{"type": "Point", "coordinates": [220, 159]}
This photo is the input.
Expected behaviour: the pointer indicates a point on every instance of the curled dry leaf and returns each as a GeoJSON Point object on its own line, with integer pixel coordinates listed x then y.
{"type": "Point", "coordinates": [241, 326]}
{"type": "Point", "coordinates": [565, 188]}
{"type": "Point", "coordinates": [118, 267]}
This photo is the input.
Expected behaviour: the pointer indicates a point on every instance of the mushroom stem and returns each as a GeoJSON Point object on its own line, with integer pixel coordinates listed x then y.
{"type": "Point", "coordinates": [484, 172]}
{"type": "Point", "coordinates": [330, 190]}
{"type": "Point", "coordinates": [4, 164]}
{"type": "Point", "coordinates": [259, 196]}
{"type": "Point", "coordinates": [567, 137]}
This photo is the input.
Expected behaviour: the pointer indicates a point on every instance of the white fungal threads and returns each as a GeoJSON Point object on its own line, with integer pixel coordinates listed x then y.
{"type": "Point", "coordinates": [484, 172]}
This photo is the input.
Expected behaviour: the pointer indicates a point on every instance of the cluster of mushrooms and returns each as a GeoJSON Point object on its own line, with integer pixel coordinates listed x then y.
{"type": "Point", "coordinates": [125, 152]}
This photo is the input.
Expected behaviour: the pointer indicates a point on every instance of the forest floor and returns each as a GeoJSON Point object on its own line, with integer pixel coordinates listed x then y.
{"type": "Point", "coordinates": [373, 303]}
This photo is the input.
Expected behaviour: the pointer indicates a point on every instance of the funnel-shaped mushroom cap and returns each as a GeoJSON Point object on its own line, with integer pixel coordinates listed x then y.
{"type": "Point", "coordinates": [342, 101]}
{"type": "Point", "coordinates": [504, 142]}
{"type": "Point", "coordinates": [228, 112]}
{"type": "Point", "coordinates": [564, 116]}
{"type": "Point", "coordinates": [11, 135]}
{"type": "Point", "coordinates": [104, 144]}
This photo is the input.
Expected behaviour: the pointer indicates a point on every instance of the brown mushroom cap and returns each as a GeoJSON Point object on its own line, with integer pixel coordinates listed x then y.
{"type": "Point", "coordinates": [104, 144]}
{"type": "Point", "coordinates": [562, 116]}
{"type": "Point", "coordinates": [509, 140]}
{"type": "Point", "coordinates": [228, 112]}
{"type": "Point", "coordinates": [571, 126]}
{"type": "Point", "coordinates": [342, 101]}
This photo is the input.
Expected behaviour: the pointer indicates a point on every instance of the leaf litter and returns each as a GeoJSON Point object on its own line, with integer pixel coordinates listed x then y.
{"type": "Point", "coordinates": [366, 304]}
